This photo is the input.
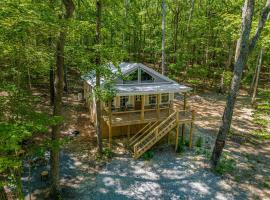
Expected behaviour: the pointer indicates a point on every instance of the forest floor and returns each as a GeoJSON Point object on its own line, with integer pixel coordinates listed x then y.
{"type": "Point", "coordinates": [168, 175]}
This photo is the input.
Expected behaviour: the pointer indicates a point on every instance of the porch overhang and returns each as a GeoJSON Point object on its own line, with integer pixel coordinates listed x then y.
{"type": "Point", "coordinates": [146, 89]}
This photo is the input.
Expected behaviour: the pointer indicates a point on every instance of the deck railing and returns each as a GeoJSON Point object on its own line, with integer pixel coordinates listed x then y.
{"type": "Point", "coordinates": [128, 115]}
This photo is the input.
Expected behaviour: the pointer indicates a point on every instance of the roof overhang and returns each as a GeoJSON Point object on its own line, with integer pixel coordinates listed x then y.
{"type": "Point", "coordinates": [125, 90]}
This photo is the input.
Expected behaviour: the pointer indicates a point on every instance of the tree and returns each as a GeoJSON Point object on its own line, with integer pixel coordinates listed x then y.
{"type": "Point", "coordinates": [163, 68]}
{"type": "Point", "coordinates": [256, 75]}
{"type": "Point", "coordinates": [243, 48]}
{"type": "Point", "coordinates": [57, 107]}
{"type": "Point", "coordinates": [98, 69]}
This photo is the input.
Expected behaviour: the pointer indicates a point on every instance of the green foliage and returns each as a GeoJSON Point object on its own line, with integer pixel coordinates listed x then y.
{"type": "Point", "coordinates": [264, 184]}
{"type": "Point", "coordinates": [202, 151]}
{"type": "Point", "coordinates": [107, 152]}
{"type": "Point", "coordinates": [226, 165]}
{"type": "Point", "coordinates": [148, 155]}
{"type": "Point", "coordinates": [199, 142]}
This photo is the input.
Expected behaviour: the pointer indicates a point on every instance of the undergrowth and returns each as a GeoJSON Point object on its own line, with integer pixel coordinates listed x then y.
{"type": "Point", "coordinates": [225, 165]}
{"type": "Point", "coordinates": [261, 116]}
{"type": "Point", "coordinates": [148, 155]}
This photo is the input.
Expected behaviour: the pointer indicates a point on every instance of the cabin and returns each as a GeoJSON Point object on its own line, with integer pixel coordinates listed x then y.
{"type": "Point", "coordinates": [146, 107]}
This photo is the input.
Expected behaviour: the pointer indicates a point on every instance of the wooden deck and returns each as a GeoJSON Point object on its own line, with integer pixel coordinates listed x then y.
{"type": "Point", "coordinates": [150, 115]}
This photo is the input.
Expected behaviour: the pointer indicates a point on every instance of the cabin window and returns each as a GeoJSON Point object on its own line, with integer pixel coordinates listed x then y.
{"type": "Point", "coordinates": [146, 78]}
{"type": "Point", "coordinates": [138, 98]}
{"type": "Point", "coordinates": [107, 103]}
{"type": "Point", "coordinates": [165, 98]}
{"type": "Point", "coordinates": [152, 99]}
{"type": "Point", "coordinates": [132, 77]}
{"type": "Point", "coordinates": [123, 101]}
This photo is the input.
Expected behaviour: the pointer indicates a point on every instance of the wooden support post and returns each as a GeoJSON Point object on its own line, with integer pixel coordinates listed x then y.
{"type": "Point", "coordinates": [177, 136]}
{"type": "Point", "coordinates": [110, 124]}
{"type": "Point", "coordinates": [191, 129]}
{"type": "Point", "coordinates": [185, 107]}
{"type": "Point", "coordinates": [142, 108]}
{"type": "Point", "coordinates": [185, 101]}
{"type": "Point", "coordinates": [128, 132]}
{"type": "Point", "coordinates": [177, 131]}
{"type": "Point", "coordinates": [158, 106]}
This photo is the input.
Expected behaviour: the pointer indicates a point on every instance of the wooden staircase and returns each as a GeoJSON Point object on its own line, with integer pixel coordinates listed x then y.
{"type": "Point", "coordinates": [152, 133]}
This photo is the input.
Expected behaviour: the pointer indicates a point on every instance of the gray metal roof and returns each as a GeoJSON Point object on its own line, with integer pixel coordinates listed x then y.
{"type": "Point", "coordinates": [167, 85]}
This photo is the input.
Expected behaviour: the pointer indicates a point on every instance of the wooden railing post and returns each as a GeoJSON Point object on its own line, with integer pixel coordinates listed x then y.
{"type": "Point", "coordinates": [191, 129]}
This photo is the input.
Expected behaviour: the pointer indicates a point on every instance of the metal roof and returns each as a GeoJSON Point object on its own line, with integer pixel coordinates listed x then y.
{"type": "Point", "coordinates": [167, 85]}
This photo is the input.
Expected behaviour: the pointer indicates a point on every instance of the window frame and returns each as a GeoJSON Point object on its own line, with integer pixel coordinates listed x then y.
{"type": "Point", "coordinates": [125, 102]}
{"type": "Point", "coordinates": [167, 95]}
{"type": "Point", "coordinates": [151, 97]}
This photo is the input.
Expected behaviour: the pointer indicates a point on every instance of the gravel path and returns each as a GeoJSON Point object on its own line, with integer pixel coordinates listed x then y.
{"type": "Point", "coordinates": [166, 176]}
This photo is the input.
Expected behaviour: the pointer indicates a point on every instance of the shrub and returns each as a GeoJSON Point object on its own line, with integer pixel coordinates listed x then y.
{"type": "Point", "coordinates": [226, 165]}
{"type": "Point", "coordinates": [148, 155]}
{"type": "Point", "coordinates": [199, 142]}
{"type": "Point", "coordinates": [108, 153]}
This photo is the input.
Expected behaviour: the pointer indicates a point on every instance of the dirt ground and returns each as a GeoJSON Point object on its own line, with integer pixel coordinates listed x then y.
{"type": "Point", "coordinates": [252, 159]}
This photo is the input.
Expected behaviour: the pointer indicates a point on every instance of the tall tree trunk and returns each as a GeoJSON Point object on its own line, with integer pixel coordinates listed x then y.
{"type": "Point", "coordinates": [257, 77]}
{"type": "Point", "coordinates": [254, 76]}
{"type": "Point", "coordinates": [227, 66]}
{"type": "Point", "coordinates": [241, 56]}
{"type": "Point", "coordinates": [176, 23]}
{"type": "Point", "coordinates": [98, 65]}
{"type": "Point", "coordinates": [163, 68]}
{"type": "Point", "coordinates": [57, 107]}
{"type": "Point", "coordinates": [190, 13]}
{"type": "Point", "coordinates": [65, 79]}
{"type": "Point", "coordinates": [243, 48]}
{"type": "Point", "coordinates": [52, 85]}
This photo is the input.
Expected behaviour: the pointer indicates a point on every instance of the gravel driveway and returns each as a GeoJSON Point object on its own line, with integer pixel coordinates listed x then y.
{"type": "Point", "coordinates": [166, 176]}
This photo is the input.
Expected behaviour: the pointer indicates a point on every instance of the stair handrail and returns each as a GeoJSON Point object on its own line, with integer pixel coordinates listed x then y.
{"type": "Point", "coordinates": [156, 138]}
{"type": "Point", "coordinates": [152, 126]}
{"type": "Point", "coordinates": [151, 132]}
{"type": "Point", "coordinates": [141, 130]}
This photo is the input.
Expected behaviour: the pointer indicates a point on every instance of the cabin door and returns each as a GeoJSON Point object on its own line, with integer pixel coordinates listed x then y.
{"type": "Point", "coordinates": [138, 102]}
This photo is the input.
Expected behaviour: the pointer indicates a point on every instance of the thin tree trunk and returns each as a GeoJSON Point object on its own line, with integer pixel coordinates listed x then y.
{"type": "Point", "coordinates": [241, 56]}
{"type": "Point", "coordinates": [98, 65]}
{"type": "Point", "coordinates": [29, 79]}
{"type": "Point", "coordinates": [190, 13]}
{"type": "Point", "coordinates": [57, 107]}
{"type": "Point", "coordinates": [176, 23]}
{"type": "Point", "coordinates": [254, 77]}
{"type": "Point", "coordinates": [227, 65]}
{"type": "Point", "coordinates": [51, 85]}
{"type": "Point", "coordinates": [163, 68]}
{"type": "Point", "coordinates": [257, 78]}
{"type": "Point", "coordinates": [65, 79]}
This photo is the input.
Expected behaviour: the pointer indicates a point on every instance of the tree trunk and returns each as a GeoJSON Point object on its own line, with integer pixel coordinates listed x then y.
{"type": "Point", "coordinates": [163, 68]}
{"type": "Point", "coordinates": [257, 78]}
{"type": "Point", "coordinates": [51, 85]}
{"type": "Point", "coordinates": [176, 23]}
{"type": "Point", "coordinates": [98, 65]}
{"type": "Point", "coordinates": [254, 77]}
{"type": "Point", "coordinates": [241, 56]}
{"type": "Point", "coordinates": [227, 66]}
{"type": "Point", "coordinates": [190, 13]}
{"type": "Point", "coordinates": [57, 107]}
